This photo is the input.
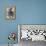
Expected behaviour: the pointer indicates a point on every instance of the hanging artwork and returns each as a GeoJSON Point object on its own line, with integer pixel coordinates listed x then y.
{"type": "Point", "coordinates": [11, 13]}
{"type": "Point", "coordinates": [12, 36]}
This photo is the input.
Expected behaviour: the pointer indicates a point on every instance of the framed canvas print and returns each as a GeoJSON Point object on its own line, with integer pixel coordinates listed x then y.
{"type": "Point", "coordinates": [11, 13]}
{"type": "Point", "coordinates": [32, 32]}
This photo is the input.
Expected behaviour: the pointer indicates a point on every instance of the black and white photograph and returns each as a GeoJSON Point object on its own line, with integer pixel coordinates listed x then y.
{"type": "Point", "coordinates": [11, 13]}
